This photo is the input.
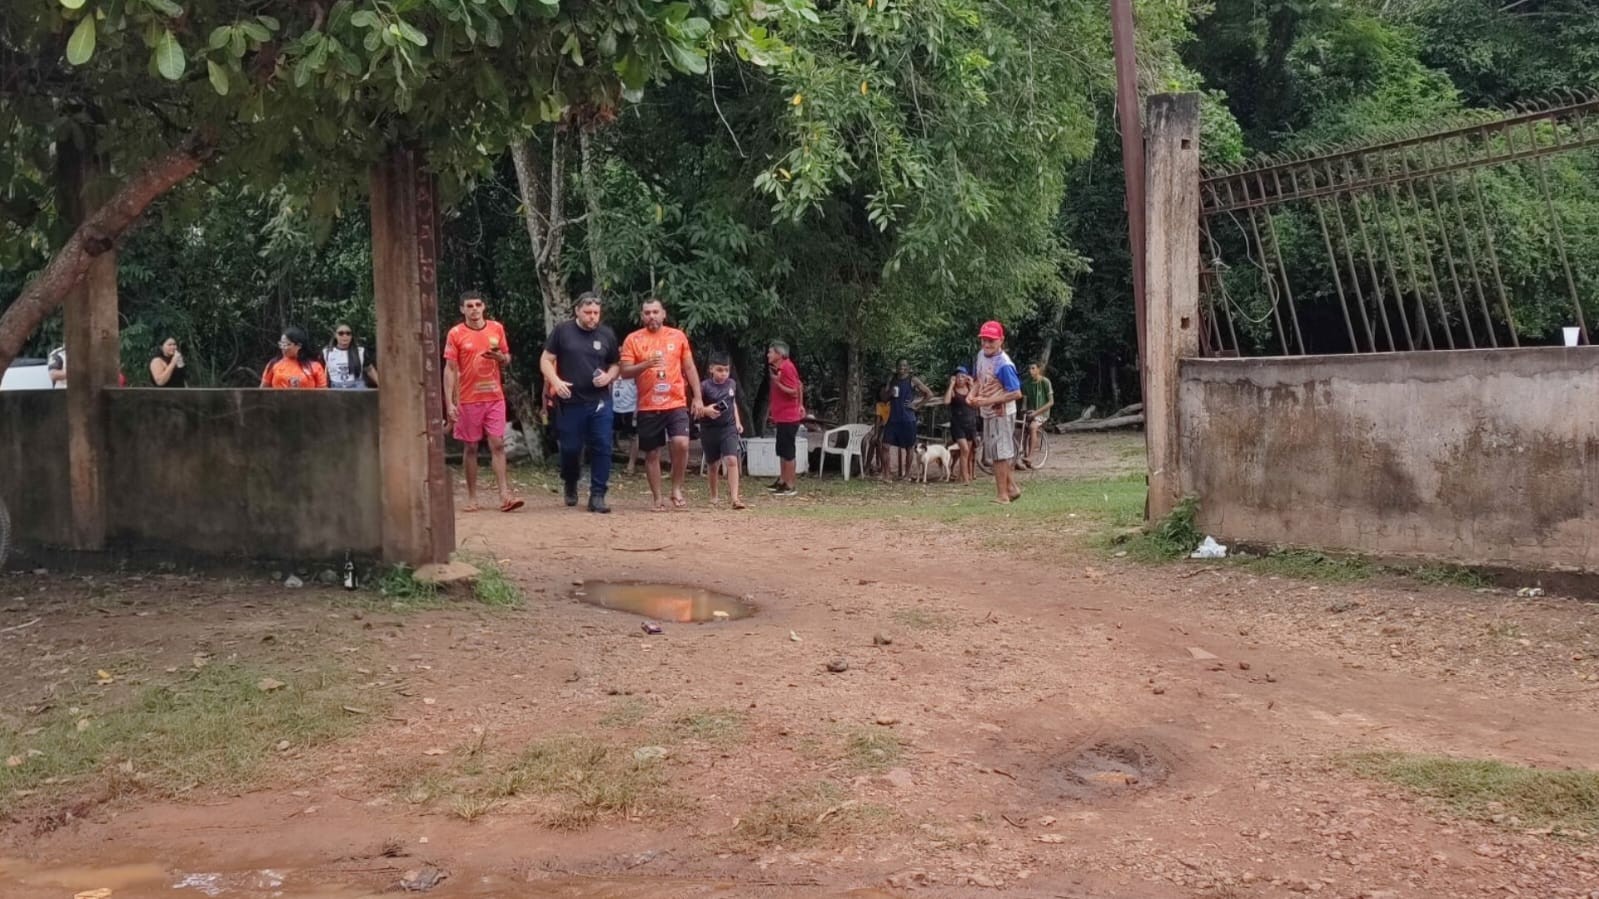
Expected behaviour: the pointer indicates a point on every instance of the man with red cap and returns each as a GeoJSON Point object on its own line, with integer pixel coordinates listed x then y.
{"type": "Point", "coordinates": [999, 386]}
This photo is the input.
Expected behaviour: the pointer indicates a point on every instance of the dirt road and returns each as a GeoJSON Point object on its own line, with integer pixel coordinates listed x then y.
{"type": "Point", "coordinates": [1033, 718]}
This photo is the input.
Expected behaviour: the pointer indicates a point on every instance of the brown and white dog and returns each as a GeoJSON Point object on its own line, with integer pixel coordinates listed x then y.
{"type": "Point", "coordinates": [929, 453]}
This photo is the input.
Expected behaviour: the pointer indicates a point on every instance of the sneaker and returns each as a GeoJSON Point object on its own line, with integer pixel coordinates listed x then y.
{"type": "Point", "coordinates": [571, 495]}
{"type": "Point", "coordinates": [597, 504]}
{"type": "Point", "coordinates": [775, 486]}
{"type": "Point", "coordinates": [787, 491]}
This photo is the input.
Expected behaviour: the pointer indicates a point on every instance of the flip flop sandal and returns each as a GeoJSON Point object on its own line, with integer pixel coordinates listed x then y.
{"type": "Point", "coordinates": [512, 505]}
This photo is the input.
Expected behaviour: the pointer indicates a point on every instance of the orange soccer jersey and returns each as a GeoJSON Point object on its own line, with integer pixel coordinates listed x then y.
{"type": "Point", "coordinates": [468, 349]}
{"type": "Point", "coordinates": [301, 374]}
{"type": "Point", "coordinates": [660, 388]}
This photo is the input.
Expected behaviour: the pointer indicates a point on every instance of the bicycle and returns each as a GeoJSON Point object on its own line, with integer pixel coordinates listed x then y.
{"type": "Point", "coordinates": [1035, 455]}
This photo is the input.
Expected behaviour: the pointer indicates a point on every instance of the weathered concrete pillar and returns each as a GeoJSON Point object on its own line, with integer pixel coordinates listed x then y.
{"type": "Point", "coordinates": [418, 508]}
{"type": "Point", "coordinates": [93, 359]}
{"type": "Point", "coordinates": [1171, 280]}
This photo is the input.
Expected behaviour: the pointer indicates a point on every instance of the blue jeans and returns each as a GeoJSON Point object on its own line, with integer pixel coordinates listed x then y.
{"type": "Point", "coordinates": [586, 425]}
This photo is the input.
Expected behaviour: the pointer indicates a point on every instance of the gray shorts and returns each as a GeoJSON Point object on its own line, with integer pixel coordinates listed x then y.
{"type": "Point", "coordinates": [999, 437]}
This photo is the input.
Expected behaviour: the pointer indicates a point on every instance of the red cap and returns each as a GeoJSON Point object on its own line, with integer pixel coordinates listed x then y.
{"type": "Point", "coordinates": [991, 331]}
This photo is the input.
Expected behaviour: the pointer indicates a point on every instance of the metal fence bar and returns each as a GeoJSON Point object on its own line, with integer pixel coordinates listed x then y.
{"type": "Point", "coordinates": [1376, 281]}
{"type": "Point", "coordinates": [1354, 278]}
{"type": "Point", "coordinates": [1454, 271]}
{"type": "Point", "coordinates": [1288, 290]}
{"type": "Point", "coordinates": [1338, 278]}
{"type": "Point", "coordinates": [1432, 270]}
{"type": "Point", "coordinates": [1542, 165]}
{"type": "Point", "coordinates": [1393, 273]}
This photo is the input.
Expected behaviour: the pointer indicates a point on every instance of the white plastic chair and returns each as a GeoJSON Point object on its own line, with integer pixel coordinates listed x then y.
{"type": "Point", "coordinates": [854, 437]}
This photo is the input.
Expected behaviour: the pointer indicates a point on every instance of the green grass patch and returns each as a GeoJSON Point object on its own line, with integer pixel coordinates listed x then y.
{"type": "Point", "coordinates": [871, 749]}
{"type": "Point", "coordinates": [1306, 565]}
{"type": "Point", "coordinates": [1476, 788]}
{"type": "Point", "coordinates": [1115, 501]}
{"type": "Point", "coordinates": [588, 780]}
{"type": "Point", "coordinates": [398, 589]}
{"type": "Point", "coordinates": [719, 727]}
{"type": "Point", "coordinates": [492, 588]}
{"type": "Point", "coordinates": [626, 713]}
{"type": "Point", "coordinates": [216, 727]}
{"type": "Point", "coordinates": [922, 620]}
{"type": "Point", "coordinates": [810, 815]}
{"type": "Point", "coordinates": [573, 781]}
{"type": "Point", "coordinates": [1172, 538]}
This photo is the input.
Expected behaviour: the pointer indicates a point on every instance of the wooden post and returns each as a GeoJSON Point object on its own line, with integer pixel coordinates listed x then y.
{"type": "Point", "coordinates": [1172, 283]}
{"type": "Point", "coordinates": [93, 357]}
{"type": "Point", "coordinates": [418, 507]}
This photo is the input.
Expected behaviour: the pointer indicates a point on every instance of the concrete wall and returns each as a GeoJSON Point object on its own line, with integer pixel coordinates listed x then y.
{"type": "Point", "coordinates": [33, 465]}
{"type": "Point", "coordinates": [1482, 456]}
{"type": "Point", "coordinates": [234, 473]}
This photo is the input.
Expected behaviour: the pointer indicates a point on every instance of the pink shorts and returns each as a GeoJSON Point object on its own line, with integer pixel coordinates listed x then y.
{"type": "Point", "coordinates": [477, 419]}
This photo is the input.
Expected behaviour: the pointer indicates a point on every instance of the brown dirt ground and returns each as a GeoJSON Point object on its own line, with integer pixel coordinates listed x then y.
{"type": "Point", "coordinates": [1021, 688]}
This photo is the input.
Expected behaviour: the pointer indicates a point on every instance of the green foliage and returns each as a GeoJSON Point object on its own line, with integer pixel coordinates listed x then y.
{"type": "Point", "coordinates": [1174, 536]}
{"type": "Point", "coordinates": [1567, 801]}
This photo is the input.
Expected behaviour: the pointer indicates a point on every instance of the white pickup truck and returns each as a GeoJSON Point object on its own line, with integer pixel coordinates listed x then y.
{"type": "Point", "coordinates": [27, 374]}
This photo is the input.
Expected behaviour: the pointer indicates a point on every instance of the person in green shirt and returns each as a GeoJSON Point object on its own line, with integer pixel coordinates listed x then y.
{"type": "Point", "coordinates": [1039, 395]}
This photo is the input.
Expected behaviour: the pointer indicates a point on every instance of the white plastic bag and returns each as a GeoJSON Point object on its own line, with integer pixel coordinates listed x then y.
{"type": "Point", "coordinates": [1210, 549]}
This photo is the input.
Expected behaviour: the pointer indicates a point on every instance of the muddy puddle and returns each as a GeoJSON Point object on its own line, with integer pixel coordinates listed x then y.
{"type": "Point", "coordinates": [664, 602]}
{"type": "Point", "coordinates": [1106, 769]}
{"type": "Point", "coordinates": [20, 879]}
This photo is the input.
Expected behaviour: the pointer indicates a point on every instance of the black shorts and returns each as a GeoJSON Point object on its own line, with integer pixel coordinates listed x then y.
{"type": "Point", "coordinates": [964, 427]}
{"type": "Point", "coordinates": [656, 428]}
{"type": "Point", "coordinates": [625, 424]}
{"type": "Point", "coordinates": [720, 441]}
{"type": "Point", "coordinates": [787, 441]}
{"type": "Point", "coordinates": [900, 434]}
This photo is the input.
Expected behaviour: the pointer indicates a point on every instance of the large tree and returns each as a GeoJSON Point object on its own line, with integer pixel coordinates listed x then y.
{"type": "Point", "coordinates": [149, 92]}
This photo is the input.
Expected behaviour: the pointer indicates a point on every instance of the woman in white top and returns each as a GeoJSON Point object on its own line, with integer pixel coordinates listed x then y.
{"type": "Point", "coordinates": [336, 358]}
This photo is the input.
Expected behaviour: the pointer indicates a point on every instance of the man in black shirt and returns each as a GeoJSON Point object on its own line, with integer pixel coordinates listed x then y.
{"type": "Point", "coordinates": [581, 359]}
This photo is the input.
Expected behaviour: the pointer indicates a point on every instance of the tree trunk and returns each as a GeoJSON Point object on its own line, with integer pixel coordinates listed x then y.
{"type": "Point", "coordinates": [95, 236]}
{"type": "Point", "coordinates": [1055, 322]}
{"type": "Point", "coordinates": [544, 214]}
{"type": "Point", "coordinates": [599, 266]}
{"type": "Point", "coordinates": [853, 387]}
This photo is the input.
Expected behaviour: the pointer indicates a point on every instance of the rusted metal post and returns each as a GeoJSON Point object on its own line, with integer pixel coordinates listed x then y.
{"type": "Point", "coordinates": [1132, 128]}
{"type": "Point", "coordinates": [418, 507]}
{"type": "Point", "coordinates": [1173, 280]}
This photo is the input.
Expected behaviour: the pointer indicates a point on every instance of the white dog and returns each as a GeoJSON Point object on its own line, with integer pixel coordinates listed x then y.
{"type": "Point", "coordinates": [928, 453]}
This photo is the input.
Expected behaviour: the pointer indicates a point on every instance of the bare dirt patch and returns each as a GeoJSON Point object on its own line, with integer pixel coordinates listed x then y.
{"type": "Point", "coordinates": [1016, 711]}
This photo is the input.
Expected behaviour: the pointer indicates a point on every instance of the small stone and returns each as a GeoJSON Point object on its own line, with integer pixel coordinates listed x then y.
{"type": "Point", "coordinates": [446, 575]}
{"type": "Point", "coordinates": [899, 778]}
{"type": "Point", "coordinates": [1243, 666]}
{"type": "Point", "coordinates": [882, 640]}
{"type": "Point", "coordinates": [838, 666]}
{"type": "Point", "coordinates": [293, 583]}
{"type": "Point", "coordinates": [283, 745]}
{"type": "Point", "coordinates": [1159, 690]}
{"type": "Point", "coordinates": [327, 577]}
{"type": "Point", "coordinates": [794, 638]}
{"type": "Point", "coordinates": [14, 761]}
{"type": "Point", "coordinates": [1050, 838]}
{"type": "Point", "coordinates": [646, 754]}
{"type": "Point", "coordinates": [269, 684]}
{"type": "Point", "coordinates": [1201, 655]}
{"type": "Point", "coordinates": [41, 572]}
{"type": "Point", "coordinates": [720, 615]}
{"type": "Point", "coordinates": [886, 720]}
{"type": "Point", "coordinates": [423, 879]}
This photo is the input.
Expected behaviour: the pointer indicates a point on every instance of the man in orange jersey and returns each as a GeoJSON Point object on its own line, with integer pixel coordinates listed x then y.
{"type": "Point", "coordinates": [659, 358]}
{"type": "Point", "coordinates": [474, 397]}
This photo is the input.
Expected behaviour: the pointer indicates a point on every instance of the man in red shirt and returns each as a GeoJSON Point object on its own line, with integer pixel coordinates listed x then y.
{"type": "Point", "coordinates": [474, 398]}
{"type": "Point", "coordinates": [787, 410]}
{"type": "Point", "coordinates": [659, 358]}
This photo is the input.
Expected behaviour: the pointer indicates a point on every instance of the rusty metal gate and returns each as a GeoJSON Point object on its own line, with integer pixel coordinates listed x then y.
{"type": "Point", "coordinates": [1483, 234]}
